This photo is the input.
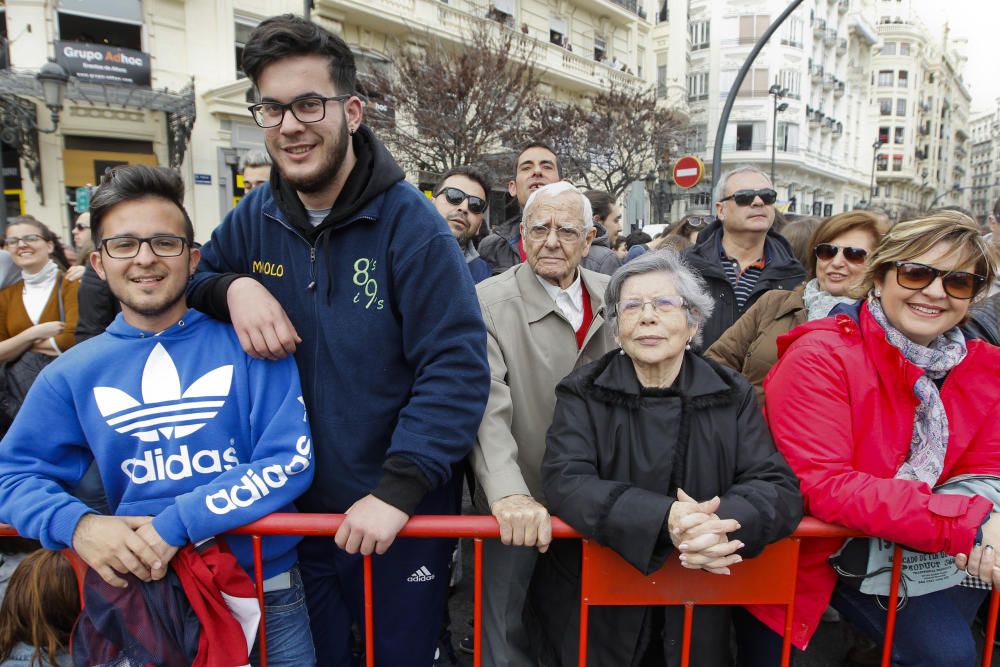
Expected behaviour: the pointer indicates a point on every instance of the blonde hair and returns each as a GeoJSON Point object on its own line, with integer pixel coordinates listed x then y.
{"type": "Point", "coordinates": [915, 237]}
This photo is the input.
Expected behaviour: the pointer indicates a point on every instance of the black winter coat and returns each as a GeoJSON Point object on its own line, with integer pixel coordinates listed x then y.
{"type": "Point", "coordinates": [615, 455]}
{"type": "Point", "coordinates": [782, 271]}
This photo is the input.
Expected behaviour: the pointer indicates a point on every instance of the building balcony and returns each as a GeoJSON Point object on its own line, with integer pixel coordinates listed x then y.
{"type": "Point", "coordinates": [842, 46]}
{"type": "Point", "coordinates": [828, 82]}
{"type": "Point", "coordinates": [839, 87]}
{"type": "Point", "coordinates": [819, 27]}
{"type": "Point", "coordinates": [843, 6]}
{"type": "Point", "coordinates": [817, 72]}
{"type": "Point", "coordinates": [830, 37]}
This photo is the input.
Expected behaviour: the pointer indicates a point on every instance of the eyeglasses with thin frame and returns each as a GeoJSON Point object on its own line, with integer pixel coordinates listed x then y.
{"type": "Point", "coordinates": [747, 197]}
{"type": "Point", "coordinates": [957, 284]}
{"type": "Point", "coordinates": [697, 221]}
{"type": "Point", "coordinates": [12, 241]}
{"type": "Point", "coordinates": [127, 247]}
{"type": "Point", "coordinates": [454, 196]}
{"type": "Point", "coordinates": [827, 251]}
{"type": "Point", "coordinates": [631, 308]}
{"type": "Point", "coordinates": [565, 233]}
{"type": "Point", "coordinates": [308, 109]}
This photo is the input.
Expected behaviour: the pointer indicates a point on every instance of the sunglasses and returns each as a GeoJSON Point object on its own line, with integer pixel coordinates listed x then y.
{"type": "Point", "coordinates": [747, 197]}
{"type": "Point", "coordinates": [827, 251]}
{"type": "Point", "coordinates": [957, 284]}
{"type": "Point", "coordinates": [81, 227]}
{"type": "Point", "coordinates": [456, 197]}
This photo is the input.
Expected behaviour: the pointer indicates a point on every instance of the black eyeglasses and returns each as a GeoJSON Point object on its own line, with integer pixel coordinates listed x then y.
{"type": "Point", "coordinates": [454, 196]}
{"type": "Point", "coordinates": [747, 197]}
{"type": "Point", "coordinates": [80, 227]}
{"type": "Point", "coordinates": [12, 241]}
{"type": "Point", "coordinates": [311, 109]}
{"type": "Point", "coordinates": [127, 247]}
{"type": "Point", "coordinates": [827, 251]}
{"type": "Point", "coordinates": [957, 284]}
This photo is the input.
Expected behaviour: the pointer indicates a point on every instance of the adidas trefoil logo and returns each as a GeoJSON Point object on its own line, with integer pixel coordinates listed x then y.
{"type": "Point", "coordinates": [423, 574]}
{"type": "Point", "coordinates": [165, 410]}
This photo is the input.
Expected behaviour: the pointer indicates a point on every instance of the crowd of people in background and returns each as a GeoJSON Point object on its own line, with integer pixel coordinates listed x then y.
{"type": "Point", "coordinates": [690, 396]}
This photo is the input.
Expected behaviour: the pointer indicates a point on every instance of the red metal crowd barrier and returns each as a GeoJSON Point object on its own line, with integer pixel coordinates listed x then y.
{"type": "Point", "coordinates": [606, 578]}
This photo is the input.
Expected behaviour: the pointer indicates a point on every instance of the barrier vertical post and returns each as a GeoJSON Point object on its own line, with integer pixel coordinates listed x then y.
{"type": "Point", "coordinates": [890, 618]}
{"type": "Point", "coordinates": [991, 628]}
{"type": "Point", "coordinates": [369, 616]}
{"type": "Point", "coordinates": [584, 609]}
{"type": "Point", "coordinates": [688, 629]}
{"type": "Point", "coordinates": [258, 574]}
{"type": "Point", "coordinates": [477, 604]}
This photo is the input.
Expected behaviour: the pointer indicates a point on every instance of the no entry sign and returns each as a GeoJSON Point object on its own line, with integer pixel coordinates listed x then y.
{"type": "Point", "coordinates": [688, 171]}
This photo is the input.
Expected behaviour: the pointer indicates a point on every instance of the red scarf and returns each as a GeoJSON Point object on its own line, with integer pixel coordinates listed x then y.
{"type": "Point", "coordinates": [588, 316]}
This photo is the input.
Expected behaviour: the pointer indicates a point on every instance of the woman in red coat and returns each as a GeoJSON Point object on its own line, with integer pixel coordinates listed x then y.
{"type": "Point", "coordinates": [874, 408]}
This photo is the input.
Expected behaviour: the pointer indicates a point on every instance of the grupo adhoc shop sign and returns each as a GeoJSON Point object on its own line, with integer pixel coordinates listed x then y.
{"type": "Point", "coordinates": [99, 63]}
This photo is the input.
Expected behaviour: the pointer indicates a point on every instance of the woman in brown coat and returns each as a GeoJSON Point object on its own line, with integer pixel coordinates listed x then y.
{"type": "Point", "coordinates": [837, 263]}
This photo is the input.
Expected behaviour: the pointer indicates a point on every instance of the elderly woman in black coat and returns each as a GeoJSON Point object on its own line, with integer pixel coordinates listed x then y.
{"type": "Point", "coordinates": [639, 437]}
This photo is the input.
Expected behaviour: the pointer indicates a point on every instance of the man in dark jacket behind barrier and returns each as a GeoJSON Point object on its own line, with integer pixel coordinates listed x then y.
{"type": "Point", "coordinates": [738, 255]}
{"type": "Point", "coordinates": [534, 167]}
{"type": "Point", "coordinates": [342, 262]}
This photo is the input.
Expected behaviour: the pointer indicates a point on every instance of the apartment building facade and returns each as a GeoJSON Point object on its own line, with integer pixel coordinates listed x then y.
{"type": "Point", "coordinates": [920, 105]}
{"type": "Point", "coordinates": [818, 61]}
{"type": "Point", "coordinates": [984, 156]}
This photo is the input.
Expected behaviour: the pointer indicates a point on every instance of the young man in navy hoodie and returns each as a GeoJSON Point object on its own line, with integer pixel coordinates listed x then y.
{"type": "Point", "coordinates": [192, 436]}
{"type": "Point", "coordinates": [342, 262]}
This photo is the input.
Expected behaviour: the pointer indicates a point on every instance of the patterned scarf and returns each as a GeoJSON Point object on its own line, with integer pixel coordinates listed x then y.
{"type": "Point", "coordinates": [819, 302]}
{"type": "Point", "coordinates": [929, 441]}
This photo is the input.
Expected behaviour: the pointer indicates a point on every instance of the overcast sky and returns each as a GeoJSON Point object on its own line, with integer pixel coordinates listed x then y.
{"type": "Point", "coordinates": [979, 22]}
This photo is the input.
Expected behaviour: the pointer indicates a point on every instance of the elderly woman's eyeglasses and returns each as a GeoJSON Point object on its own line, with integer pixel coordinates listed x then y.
{"type": "Point", "coordinates": [12, 241]}
{"type": "Point", "coordinates": [957, 284]}
{"type": "Point", "coordinates": [127, 247]}
{"type": "Point", "coordinates": [630, 308]}
{"type": "Point", "coordinates": [565, 233]}
{"type": "Point", "coordinates": [310, 109]}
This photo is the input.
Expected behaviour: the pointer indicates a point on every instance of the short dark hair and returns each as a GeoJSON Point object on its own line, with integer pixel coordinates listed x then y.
{"type": "Point", "coordinates": [528, 146]}
{"type": "Point", "coordinates": [470, 171]}
{"type": "Point", "coordinates": [289, 35]}
{"type": "Point", "coordinates": [600, 202]}
{"type": "Point", "coordinates": [136, 181]}
{"type": "Point", "coordinates": [637, 238]}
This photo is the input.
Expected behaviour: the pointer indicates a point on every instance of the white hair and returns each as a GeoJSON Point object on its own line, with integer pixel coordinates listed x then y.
{"type": "Point", "coordinates": [720, 187]}
{"type": "Point", "coordinates": [554, 190]}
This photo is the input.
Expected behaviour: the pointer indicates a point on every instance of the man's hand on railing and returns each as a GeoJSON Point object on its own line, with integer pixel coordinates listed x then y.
{"type": "Point", "coordinates": [701, 536]}
{"type": "Point", "coordinates": [370, 526]}
{"type": "Point", "coordinates": [523, 522]}
{"type": "Point", "coordinates": [110, 545]}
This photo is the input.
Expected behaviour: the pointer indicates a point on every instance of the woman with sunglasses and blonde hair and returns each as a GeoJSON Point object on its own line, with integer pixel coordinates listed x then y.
{"type": "Point", "coordinates": [835, 265]}
{"type": "Point", "coordinates": [875, 409]}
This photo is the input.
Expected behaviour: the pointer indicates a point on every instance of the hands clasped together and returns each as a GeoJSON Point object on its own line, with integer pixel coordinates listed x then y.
{"type": "Point", "coordinates": [114, 545]}
{"type": "Point", "coordinates": [701, 536]}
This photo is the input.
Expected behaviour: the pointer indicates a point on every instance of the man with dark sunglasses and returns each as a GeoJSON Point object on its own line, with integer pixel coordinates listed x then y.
{"type": "Point", "coordinates": [461, 198]}
{"type": "Point", "coordinates": [739, 255]}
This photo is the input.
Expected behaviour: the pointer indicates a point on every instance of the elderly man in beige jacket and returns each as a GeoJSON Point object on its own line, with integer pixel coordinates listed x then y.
{"type": "Point", "coordinates": [544, 318]}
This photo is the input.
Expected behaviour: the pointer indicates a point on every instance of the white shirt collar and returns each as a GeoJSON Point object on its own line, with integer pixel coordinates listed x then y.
{"type": "Point", "coordinates": [569, 300]}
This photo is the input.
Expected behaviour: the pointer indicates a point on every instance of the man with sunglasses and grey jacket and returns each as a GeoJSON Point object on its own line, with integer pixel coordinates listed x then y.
{"type": "Point", "coordinates": [461, 199]}
{"type": "Point", "coordinates": [738, 255]}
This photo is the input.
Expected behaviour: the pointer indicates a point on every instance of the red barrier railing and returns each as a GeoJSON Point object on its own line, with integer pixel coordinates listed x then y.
{"type": "Point", "coordinates": [767, 579]}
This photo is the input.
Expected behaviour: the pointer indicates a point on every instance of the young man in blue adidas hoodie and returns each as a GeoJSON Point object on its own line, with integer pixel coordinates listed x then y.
{"type": "Point", "coordinates": [342, 262]}
{"type": "Point", "coordinates": [192, 436]}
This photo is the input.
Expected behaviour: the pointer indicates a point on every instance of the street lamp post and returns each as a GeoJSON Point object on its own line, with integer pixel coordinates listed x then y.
{"type": "Point", "coordinates": [776, 92]}
{"type": "Point", "coordinates": [54, 79]}
{"type": "Point", "coordinates": [877, 145]}
{"type": "Point", "coordinates": [650, 181]}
